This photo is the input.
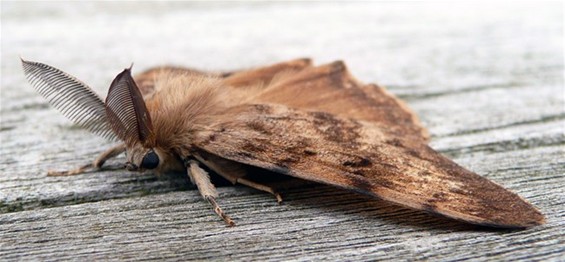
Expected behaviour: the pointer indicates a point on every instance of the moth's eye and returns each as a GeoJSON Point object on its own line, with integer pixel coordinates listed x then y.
{"type": "Point", "coordinates": [150, 160]}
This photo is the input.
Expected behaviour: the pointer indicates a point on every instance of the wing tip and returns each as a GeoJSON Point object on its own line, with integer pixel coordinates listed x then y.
{"type": "Point", "coordinates": [526, 218]}
{"type": "Point", "coordinates": [518, 214]}
{"type": "Point", "coordinates": [520, 224]}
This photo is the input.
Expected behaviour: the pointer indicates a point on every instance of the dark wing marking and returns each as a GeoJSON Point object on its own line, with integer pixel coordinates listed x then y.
{"type": "Point", "coordinates": [362, 156]}
{"type": "Point", "coordinates": [70, 96]}
{"type": "Point", "coordinates": [126, 111]}
{"type": "Point", "coordinates": [331, 88]}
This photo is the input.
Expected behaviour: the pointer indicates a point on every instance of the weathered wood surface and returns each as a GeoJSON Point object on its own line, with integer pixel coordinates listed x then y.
{"type": "Point", "coordinates": [487, 80]}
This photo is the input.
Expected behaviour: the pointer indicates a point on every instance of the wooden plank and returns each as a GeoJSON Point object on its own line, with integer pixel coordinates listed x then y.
{"type": "Point", "coordinates": [486, 80]}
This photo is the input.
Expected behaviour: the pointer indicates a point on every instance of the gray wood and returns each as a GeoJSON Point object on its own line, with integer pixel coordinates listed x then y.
{"type": "Point", "coordinates": [487, 80]}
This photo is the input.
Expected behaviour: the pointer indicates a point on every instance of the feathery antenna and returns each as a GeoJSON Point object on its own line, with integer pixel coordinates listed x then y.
{"type": "Point", "coordinates": [70, 96]}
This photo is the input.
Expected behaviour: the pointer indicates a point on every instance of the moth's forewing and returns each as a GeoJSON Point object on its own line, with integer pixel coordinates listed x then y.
{"type": "Point", "coordinates": [331, 88]}
{"type": "Point", "coordinates": [364, 157]}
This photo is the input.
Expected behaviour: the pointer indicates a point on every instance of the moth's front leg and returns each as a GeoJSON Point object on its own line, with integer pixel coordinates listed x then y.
{"type": "Point", "coordinates": [208, 191]}
{"type": "Point", "coordinates": [94, 165]}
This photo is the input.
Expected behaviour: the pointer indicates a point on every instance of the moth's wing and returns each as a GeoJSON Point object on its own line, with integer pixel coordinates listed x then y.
{"type": "Point", "coordinates": [73, 98]}
{"type": "Point", "coordinates": [331, 88]}
{"type": "Point", "coordinates": [363, 157]}
{"type": "Point", "coordinates": [238, 78]}
{"type": "Point", "coordinates": [264, 75]}
{"type": "Point", "coordinates": [147, 79]}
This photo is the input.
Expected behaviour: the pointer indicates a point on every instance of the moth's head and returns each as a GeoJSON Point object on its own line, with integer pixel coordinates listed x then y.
{"type": "Point", "coordinates": [140, 158]}
{"type": "Point", "coordinates": [156, 160]}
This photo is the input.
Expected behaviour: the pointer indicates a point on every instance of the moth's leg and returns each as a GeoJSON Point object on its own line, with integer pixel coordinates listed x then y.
{"type": "Point", "coordinates": [261, 187]}
{"type": "Point", "coordinates": [95, 165]}
{"type": "Point", "coordinates": [202, 181]}
{"type": "Point", "coordinates": [235, 173]}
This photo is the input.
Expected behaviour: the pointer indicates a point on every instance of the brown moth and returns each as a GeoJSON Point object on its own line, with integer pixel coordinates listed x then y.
{"type": "Point", "coordinates": [317, 123]}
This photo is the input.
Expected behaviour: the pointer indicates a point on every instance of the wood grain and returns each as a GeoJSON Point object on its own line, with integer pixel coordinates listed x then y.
{"type": "Point", "coordinates": [489, 87]}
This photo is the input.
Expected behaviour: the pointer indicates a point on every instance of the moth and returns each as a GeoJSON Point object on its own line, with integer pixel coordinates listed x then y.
{"type": "Point", "coordinates": [316, 123]}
